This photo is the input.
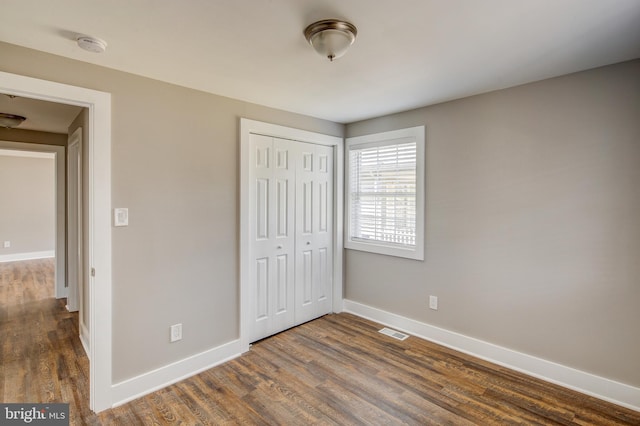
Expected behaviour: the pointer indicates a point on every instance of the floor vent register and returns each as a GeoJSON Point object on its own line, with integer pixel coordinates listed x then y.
{"type": "Point", "coordinates": [393, 333]}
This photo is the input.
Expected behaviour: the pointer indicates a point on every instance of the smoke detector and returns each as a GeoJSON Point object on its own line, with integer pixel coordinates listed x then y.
{"type": "Point", "coordinates": [92, 44]}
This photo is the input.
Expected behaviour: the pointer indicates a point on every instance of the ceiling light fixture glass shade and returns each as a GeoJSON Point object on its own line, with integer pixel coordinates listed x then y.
{"type": "Point", "coordinates": [10, 120]}
{"type": "Point", "coordinates": [331, 38]}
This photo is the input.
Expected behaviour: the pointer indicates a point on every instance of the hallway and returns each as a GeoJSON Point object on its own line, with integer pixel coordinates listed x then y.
{"type": "Point", "coordinates": [42, 359]}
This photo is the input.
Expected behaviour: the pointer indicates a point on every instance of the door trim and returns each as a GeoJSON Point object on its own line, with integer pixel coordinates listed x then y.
{"type": "Point", "coordinates": [99, 227]}
{"type": "Point", "coordinates": [60, 277]}
{"type": "Point", "coordinates": [74, 222]}
{"type": "Point", "coordinates": [248, 127]}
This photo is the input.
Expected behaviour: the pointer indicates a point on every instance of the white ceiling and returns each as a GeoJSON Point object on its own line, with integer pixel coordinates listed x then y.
{"type": "Point", "coordinates": [408, 53]}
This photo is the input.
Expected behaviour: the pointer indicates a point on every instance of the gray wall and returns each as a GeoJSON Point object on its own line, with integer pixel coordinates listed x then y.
{"type": "Point", "coordinates": [175, 166]}
{"type": "Point", "coordinates": [27, 197]}
{"type": "Point", "coordinates": [532, 222]}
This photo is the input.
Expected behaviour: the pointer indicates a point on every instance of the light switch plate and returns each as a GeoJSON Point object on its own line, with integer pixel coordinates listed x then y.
{"type": "Point", "coordinates": [120, 217]}
{"type": "Point", "coordinates": [433, 302]}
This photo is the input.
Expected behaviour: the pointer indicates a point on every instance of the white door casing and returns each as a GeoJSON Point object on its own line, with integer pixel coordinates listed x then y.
{"type": "Point", "coordinates": [74, 220]}
{"type": "Point", "coordinates": [99, 216]}
{"type": "Point", "coordinates": [263, 134]}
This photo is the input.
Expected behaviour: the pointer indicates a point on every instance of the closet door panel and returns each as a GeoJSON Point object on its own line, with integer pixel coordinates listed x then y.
{"type": "Point", "coordinates": [272, 227]}
{"type": "Point", "coordinates": [291, 226]}
{"type": "Point", "coordinates": [314, 232]}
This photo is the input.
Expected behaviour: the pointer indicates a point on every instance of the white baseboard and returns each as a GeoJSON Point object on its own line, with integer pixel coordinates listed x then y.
{"type": "Point", "coordinates": [27, 256]}
{"type": "Point", "coordinates": [587, 383]}
{"type": "Point", "coordinates": [146, 383]}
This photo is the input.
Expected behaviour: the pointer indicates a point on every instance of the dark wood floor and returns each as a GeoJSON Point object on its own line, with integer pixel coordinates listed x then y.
{"type": "Point", "coordinates": [41, 358]}
{"type": "Point", "coordinates": [335, 370]}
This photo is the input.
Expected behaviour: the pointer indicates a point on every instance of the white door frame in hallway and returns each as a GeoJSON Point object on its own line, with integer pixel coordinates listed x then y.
{"type": "Point", "coordinates": [74, 221]}
{"type": "Point", "coordinates": [248, 127]}
{"type": "Point", "coordinates": [60, 278]}
{"type": "Point", "coordinates": [99, 227]}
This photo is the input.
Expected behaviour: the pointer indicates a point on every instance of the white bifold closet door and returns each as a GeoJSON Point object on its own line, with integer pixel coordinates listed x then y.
{"type": "Point", "coordinates": [291, 228]}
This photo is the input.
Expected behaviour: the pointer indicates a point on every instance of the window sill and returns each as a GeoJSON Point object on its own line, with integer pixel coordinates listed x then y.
{"type": "Point", "coordinates": [407, 253]}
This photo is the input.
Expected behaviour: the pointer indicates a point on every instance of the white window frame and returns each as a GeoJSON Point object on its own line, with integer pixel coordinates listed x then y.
{"type": "Point", "coordinates": [413, 134]}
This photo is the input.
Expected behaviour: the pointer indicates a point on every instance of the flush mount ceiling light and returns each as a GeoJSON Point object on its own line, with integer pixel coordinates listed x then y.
{"type": "Point", "coordinates": [10, 120]}
{"type": "Point", "coordinates": [92, 44]}
{"type": "Point", "coordinates": [331, 38]}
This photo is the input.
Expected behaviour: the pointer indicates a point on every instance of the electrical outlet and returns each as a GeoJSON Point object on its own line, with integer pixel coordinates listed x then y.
{"type": "Point", "coordinates": [433, 302]}
{"type": "Point", "coordinates": [176, 332]}
{"type": "Point", "coordinates": [7, 244]}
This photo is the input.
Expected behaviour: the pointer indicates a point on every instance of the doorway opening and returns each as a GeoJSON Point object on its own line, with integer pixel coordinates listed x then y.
{"type": "Point", "coordinates": [26, 238]}
{"type": "Point", "coordinates": [98, 260]}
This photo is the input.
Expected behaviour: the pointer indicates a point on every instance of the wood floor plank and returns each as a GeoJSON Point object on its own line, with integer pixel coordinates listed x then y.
{"type": "Point", "coordinates": [337, 370]}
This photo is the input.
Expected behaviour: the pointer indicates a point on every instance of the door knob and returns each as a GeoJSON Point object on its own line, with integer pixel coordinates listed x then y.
{"type": "Point", "coordinates": [279, 247]}
{"type": "Point", "coordinates": [308, 243]}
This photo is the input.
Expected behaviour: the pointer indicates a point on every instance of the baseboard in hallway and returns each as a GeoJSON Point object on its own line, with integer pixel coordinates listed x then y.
{"type": "Point", "coordinates": [15, 257]}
